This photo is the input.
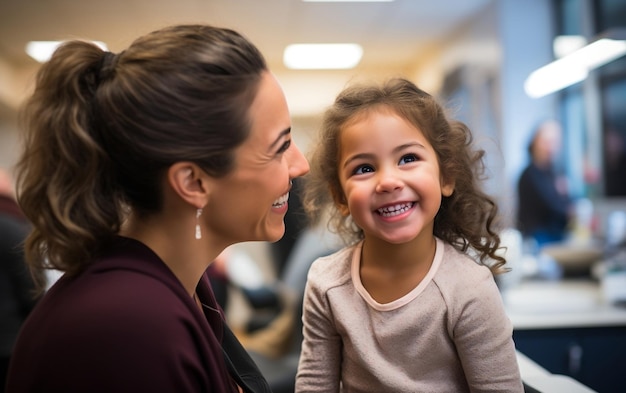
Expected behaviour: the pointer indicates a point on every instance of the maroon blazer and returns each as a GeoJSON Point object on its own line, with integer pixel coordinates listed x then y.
{"type": "Point", "coordinates": [125, 324]}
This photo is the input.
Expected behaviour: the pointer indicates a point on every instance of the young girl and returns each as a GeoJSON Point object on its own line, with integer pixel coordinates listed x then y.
{"type": "Point", "coordinates": [404, 308]}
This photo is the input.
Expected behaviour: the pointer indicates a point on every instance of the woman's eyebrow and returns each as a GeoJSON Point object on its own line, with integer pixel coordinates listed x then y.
{"type": "Point", "coordinates": [286, 131]}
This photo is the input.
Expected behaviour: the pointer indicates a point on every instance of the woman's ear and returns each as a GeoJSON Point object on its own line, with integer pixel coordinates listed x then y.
{"type": "Point", "coordinates": [190, 183]}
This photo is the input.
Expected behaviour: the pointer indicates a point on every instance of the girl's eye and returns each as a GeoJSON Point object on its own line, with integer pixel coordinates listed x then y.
{"type": "Point", "coordinates": [284, 147]}
{"type": "Point", "coordinates": [361, 169]}
{"type": "Point", "coordinates": [408, 158]}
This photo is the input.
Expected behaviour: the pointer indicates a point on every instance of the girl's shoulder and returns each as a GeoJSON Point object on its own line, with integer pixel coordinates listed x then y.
{"type": "Point", "coordinates": [458, 270]}
{"type": "Point", "coordinates": [333, 269]}
{"type": "Point", "coordinates": [456, 259]}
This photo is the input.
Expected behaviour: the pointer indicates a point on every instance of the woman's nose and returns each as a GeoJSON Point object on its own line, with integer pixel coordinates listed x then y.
{"type": "Point", "coordinates": [298, 164]}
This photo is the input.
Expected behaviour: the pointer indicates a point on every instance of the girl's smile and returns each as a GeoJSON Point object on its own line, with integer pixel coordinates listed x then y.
{"type": "Point", "coordinates": [390, 177]}
{"type": "Point", "coordinates": [395, 211]}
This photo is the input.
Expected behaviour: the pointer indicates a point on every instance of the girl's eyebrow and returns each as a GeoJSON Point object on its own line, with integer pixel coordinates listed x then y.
{"type": "Point", "coordinates": [365, 156]}
{"type": "Point", "coordinates": [407, 145]}
{"type": "Point", "coordinates": [362, 156]}
{"type": "Point", "coordinates": [286, 131]}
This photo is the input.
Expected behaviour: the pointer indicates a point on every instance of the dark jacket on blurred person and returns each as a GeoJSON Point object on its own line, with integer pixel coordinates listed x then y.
{"type": "Point", "coordinates": [544, 212]}
{"type": "Point", "coordinates": [16, 286]}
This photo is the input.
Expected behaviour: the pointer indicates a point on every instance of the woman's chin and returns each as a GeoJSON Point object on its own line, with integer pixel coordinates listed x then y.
{"type": "Point", "coordinates": [274, 232]}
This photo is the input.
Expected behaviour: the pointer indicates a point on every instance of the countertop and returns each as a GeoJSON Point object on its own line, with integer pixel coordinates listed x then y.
{"type": "Point", "coordinates": [543, 381]}
{"type": "Point", "coordinates": [542, 304]}
{"type": "Point", "coordinates": [561, 304]}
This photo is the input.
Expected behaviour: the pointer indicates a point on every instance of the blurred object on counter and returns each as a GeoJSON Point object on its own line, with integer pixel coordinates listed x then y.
{"type": "Point", "coordinates": [584, 222]}
{"type": "Point", "coordinates": [614, 279]}
{"type": "Point", "coordinates": [511, 247]}
{"type": "Point", "coordinates": [577, 252]}
{"type": "Point", "coordinates": [616, 229]}
{"type": "Point", "coordinates": [574, 258]}
{"type": "Point", "coordinates": [548, 268]}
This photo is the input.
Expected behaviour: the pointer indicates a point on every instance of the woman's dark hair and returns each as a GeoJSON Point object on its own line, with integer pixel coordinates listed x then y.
{"type": "Point", "coordinates": [101, 129]}
{"type": "Point", "coordinates": [466, 219]}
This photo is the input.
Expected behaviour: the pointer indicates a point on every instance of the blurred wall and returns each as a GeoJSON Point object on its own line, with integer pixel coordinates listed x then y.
{"type": "Point", "coordinates": [485, 65]}
{"type": "Point", "coordinates": [525, 32]}
{"type": "Point", "coordinates": [479, 73]}
{"type": "Point", "coordinates": [9, 141]}
{"type": "Point", "coordinates": [15, 85]}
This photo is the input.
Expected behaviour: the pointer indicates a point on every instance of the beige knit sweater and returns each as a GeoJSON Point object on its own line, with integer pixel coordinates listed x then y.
{"type": "Point", "coordinates": [449, 334]}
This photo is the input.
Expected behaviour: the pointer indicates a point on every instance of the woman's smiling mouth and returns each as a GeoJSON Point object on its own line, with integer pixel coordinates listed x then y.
{"type": "Point", "coordinates": [281, 201]}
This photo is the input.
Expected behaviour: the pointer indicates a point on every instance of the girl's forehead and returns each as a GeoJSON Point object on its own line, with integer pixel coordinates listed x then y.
{"type": "Point", "coordinates": [381, 110]}
{"type": "Point", "coordinates": [372, 110]}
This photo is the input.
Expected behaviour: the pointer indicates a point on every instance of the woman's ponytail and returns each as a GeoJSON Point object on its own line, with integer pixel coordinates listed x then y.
{"type": "Point", "coordinates": [102, 129]}
{"type": "Point", "coordinates": [63, 175]}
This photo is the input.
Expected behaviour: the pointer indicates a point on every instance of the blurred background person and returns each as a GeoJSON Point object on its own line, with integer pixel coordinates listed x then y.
{"type": "Point", "coordinates": [16, 285]}
{"type": "Point", "coordinates": [615, 162]}
{"type": "Point", "coordinates": [545, 206]}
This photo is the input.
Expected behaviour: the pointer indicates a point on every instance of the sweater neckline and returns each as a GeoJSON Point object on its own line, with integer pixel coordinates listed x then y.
{"type": "Point", "coordinates": [393, 305]}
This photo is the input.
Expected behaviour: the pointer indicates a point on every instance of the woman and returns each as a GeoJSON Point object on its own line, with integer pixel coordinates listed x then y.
{"type": "Point", "coordinates": [139, 168]}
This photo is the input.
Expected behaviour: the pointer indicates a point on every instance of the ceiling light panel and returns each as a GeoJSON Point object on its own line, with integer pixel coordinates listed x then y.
{"type": "Point", "coordinates": [322, 56]}
{"type": "Point", "coordinates": [574, 67]}
{"type": "Point", "coordinates": [43, 50]}
{"type": "Point", "coordinates": [347, 1]}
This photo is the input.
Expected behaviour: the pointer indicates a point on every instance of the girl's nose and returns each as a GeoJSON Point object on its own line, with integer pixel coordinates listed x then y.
{"type": "Point", "coordinates": [388, 182]}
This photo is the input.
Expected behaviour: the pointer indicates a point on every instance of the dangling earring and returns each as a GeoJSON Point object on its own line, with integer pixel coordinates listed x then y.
{"type": "Point", "coordinates": [198, 232]}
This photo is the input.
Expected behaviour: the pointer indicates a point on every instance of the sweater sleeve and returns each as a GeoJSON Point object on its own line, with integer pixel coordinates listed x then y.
{"type": "Point", "coordinates": [483, 336]}
{"type": "Point", "coordinates": [319, 368]}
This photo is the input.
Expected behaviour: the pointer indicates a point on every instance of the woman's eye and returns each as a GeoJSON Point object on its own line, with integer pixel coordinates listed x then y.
{"type": "Point", "coordinates": [408, 158]}
{"type": "Point", "coordinates": [284, 147]}
{"type": "Point", "coordinates": [361, 169]}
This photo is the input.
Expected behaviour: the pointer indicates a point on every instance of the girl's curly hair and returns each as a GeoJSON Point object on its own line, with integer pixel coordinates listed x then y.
{"type": "Point", "coordinates": [466, 219]}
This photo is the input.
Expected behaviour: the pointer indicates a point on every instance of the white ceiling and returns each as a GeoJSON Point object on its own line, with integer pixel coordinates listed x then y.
{"type": "Point", "coordinates": [394, 34]}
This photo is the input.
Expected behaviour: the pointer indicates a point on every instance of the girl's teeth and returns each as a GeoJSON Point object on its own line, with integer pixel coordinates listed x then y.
{"type": "Point", "coordinates": [390, 211]}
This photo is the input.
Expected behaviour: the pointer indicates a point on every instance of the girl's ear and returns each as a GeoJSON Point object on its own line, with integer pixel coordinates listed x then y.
{"type": "Point", "coordinates": [343, 209]}
{"type": "Point", "coordinates": [340, 202]}
{"type": "Point", "coordinates": [190, 183]}
{"type": "Point", "coordinates": [447, 188]}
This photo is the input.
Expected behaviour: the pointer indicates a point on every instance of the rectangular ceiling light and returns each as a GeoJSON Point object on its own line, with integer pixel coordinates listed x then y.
{"type": "Point", "coordinates": [322, 56]}
{"type": "Point", "coordinates": [575, 67]}
{"type": "Point", "coordinates": [563, 45]}
{"type": "Point", "coordinates": [347, 1]}
{"type": "Point", "coordinates": [43, 50]}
